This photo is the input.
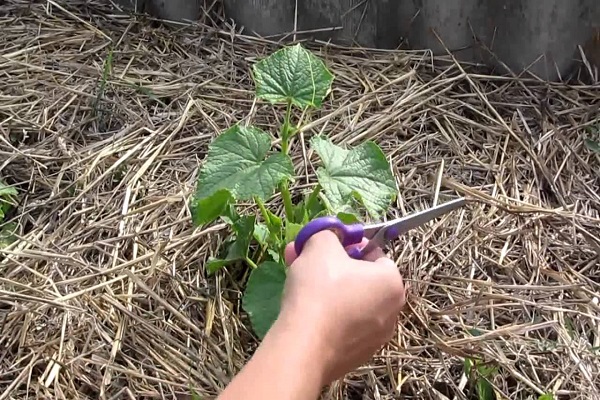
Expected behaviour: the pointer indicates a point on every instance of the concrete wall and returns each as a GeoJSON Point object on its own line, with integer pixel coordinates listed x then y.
{"type": "Point", "coordinates": [175, 10]}
{"type": "Point", "coordinates": [518, 31]}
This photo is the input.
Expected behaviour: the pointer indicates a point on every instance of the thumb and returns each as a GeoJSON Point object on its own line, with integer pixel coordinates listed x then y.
{"type": "Point", "coordinates": [384, 260]}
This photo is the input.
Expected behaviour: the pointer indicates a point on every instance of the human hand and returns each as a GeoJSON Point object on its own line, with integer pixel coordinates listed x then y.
{"type": "Point", "coordinates": [335, 313]}
{"type": "Point", "coordinates": [350, 307]}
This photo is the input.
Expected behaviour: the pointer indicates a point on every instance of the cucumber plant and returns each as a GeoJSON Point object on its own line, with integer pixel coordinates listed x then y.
{"type": "Point", "coordinates": [242, 164]}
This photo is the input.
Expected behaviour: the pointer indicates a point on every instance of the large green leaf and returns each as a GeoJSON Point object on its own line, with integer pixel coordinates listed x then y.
{"type": "Point", "coordinates": [361, 174]}
{"type": "Point", "coordinates": [262, 298]}
{"type": "Point", "coordinates": [238, 250]}
{"type": "Point", "coordinates": [292, 74]}
{"type": "Point", "coordinates": [236, 164]}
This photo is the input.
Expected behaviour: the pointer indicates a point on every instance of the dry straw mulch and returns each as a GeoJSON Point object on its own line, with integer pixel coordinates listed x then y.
{"type": "Point", "coordinates": [105, 294]}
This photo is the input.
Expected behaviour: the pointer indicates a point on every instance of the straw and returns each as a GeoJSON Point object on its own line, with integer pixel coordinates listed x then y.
{"type": "Point", "coordinates": [104, 120]}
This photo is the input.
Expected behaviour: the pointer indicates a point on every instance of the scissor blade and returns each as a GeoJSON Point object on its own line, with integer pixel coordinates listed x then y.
{"type": "Point", "coordinates": [387, 231]}
{"type": "Point", "coordinates": [402, 225]}
{"type": "Point", "coordinates": [380, 234]}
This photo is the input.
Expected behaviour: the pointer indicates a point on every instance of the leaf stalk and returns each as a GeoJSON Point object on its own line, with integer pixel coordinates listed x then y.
{"type": "Point", "coordinates": [261, 206]}
{"type": "Point", "coordinates": [287, 200]}
{"type": "Point", "coordinates": [285, 129]}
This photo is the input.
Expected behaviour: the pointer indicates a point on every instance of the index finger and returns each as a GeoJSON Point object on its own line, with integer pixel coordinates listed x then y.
{"type": "Point", "coordinates": [290, 253]}
{"type": "Point", "coordinates": [374, 255]}
{"type": "Point", "coordinates": [325, 239]}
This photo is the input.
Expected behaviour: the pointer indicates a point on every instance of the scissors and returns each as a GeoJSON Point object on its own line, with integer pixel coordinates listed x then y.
{"type": "Point", "coordinates": [378, 234]}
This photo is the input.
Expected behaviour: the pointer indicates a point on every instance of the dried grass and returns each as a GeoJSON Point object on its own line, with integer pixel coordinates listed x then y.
{"type": "Point", "coordinates": [105, 295]}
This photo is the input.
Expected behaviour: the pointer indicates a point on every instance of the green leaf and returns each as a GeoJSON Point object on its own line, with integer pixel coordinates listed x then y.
{"type": "Point", "coordinates": [236, 162]}
{"type": "Point", "coordinates": [300, 214]}
{"type": "Point", "coordinates": [308, 209]}
{"type": "Point", "coordinates": [262, 297]}
{"type": "Point", "coordinates": [7, 232]}
{"type": "Point", "coordinates": [362, 173]}
{"type": "Point", "coordinates": [484, 388]}
{"type": "Point", "coordinates": [275, 227]}
{"type": "Point", "coordinates": [207, 209]}
{"type": "Point", "coordinates": [6, 200]}
{"type": "Point", "coordinates": [215, 264]}
{"type": "Point", "coordinates": [292, 74]}
{"type": "Point", "coordinates": [593, 129]}
{"type": "Point", "coordinates": [592, 145]}
{"type": "Point", "coordinates": [261, 234]}
{"type": "Point", "coordinates": [291, 231]}
{"type": "Point", "coordinates": [486, 370]}
{"type": "Point", "coordinates": [274, 255]}
{"type": "Point", "coordinates": [475, 332]}
{"type": "Point", "coordinates": [4, 207]}
{"type": "Point", "coordinates": [238, 250]}
{"type": "Point", "coordinates": [348, 217]}
{"type": "Point", "coordinates": [546, 396]}
{"type": "Point", "coordinates": [485, 391]}
{"type": "Point", "coordinates": [244, 229]}
{"type": "Point", "coordinates": [230, 215]}
{"type": "Point", "coordinates": [196, 397]}
{"type": "Point", "coordinates": [468, 366]}
{"type": "Point", "coordinates": [274, 223]}
{"type": "Point", "coordinates": [6, 191]}
{"type": "Point", "coordinates": [314, 207]}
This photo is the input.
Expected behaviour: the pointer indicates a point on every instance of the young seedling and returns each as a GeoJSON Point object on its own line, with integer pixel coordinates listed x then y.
{"type": "Point", "coordinates": [594, 132]}
{"type": "Point", "coordinates": [242, 165]}
{"type": "Point", "coordinates": [480, 373]}
{"type": "Point", "coordinates": [7, 201]}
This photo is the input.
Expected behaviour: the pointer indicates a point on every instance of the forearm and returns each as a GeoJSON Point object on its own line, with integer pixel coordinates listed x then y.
{"type": "Point", "coordinates": [286, 366]}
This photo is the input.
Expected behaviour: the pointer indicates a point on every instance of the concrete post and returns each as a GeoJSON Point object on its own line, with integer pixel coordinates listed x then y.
{"type": "Point", "coordinates": [174, 10]}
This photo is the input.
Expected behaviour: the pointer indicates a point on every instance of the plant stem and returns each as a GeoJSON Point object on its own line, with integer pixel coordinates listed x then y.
{"type": "Point", "coordinates": [262, 208]}
{"type": "Point", "coordinates": [287, 201]}
{"type": "Point", "coordinates": [313, 197]}
{"type": "Point", "coordinates": [251, 263]}
{"type": "Point", "coordinates": [285, 130]}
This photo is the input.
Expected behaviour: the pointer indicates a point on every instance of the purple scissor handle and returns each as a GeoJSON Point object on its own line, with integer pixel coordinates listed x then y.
{"type": "Point", "coordinates": [378, 234]}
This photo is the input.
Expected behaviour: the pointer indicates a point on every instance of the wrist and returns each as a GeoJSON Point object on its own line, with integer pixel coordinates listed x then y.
{"type": "Point", "coordinates": [303, 344]}
{"type": "Point", "coordinates": [288, 364]}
